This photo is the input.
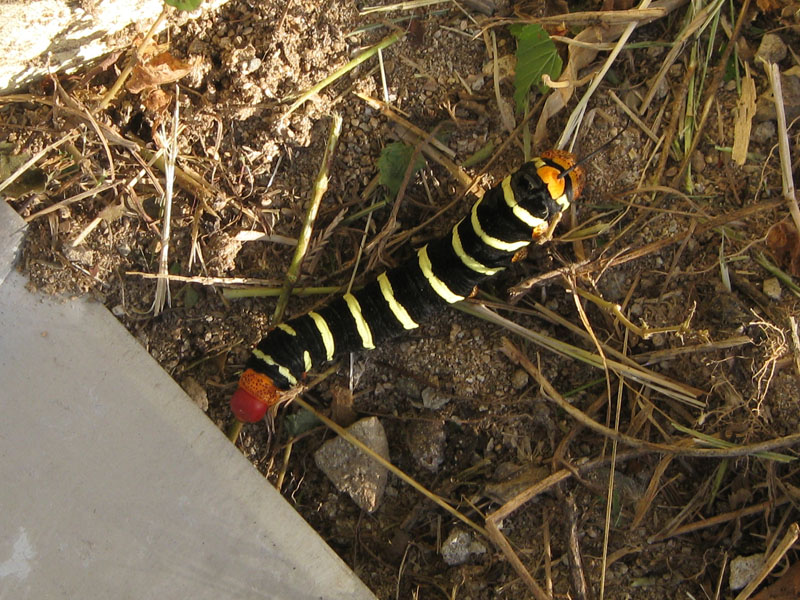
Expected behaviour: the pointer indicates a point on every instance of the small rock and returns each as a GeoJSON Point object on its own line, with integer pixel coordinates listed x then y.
{"type": "Point", "coordinates": [460, 546]}
{"type": "Point", "coordinates": [772, 288]}
{"type": "Point", "coordinates": [743, 569]}
{"type": "Point", "coordinates": [772, 49]}
{"type": "Point", "coordinates": [698, 162]}
{"type": "Point", "coordinates": [433, 398]}
{"type": "Point", "coordinates": [352, 470]}
{"type": "Point", "coordinates": [426, 442]}
{"type": "Point", "coordinates": [764, 132]}
{"type": "Point", "coordinates": [519, 379]}
{"type": "Point", "coordinates": [196, 392]}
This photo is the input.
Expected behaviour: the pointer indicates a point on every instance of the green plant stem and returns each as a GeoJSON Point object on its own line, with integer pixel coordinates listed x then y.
{"type": "Point", "coordinates": [320, 187]}
{"type": "Point", "coordinates": [384, 43]}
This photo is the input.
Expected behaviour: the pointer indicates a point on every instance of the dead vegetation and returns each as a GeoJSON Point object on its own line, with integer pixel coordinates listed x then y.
{"type": "Point", "coordinates": [657, 440]}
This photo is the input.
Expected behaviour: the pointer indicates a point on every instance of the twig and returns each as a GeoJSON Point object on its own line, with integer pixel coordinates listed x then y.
{"type": "Point", "coordinates": [574, 550]}
{"type": "Point", "coordinates": [783, 145]}
{"type": "Point", "coordinates": [320, 187]}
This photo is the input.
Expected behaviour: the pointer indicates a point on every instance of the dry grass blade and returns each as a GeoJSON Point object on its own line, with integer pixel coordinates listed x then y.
{"type": "Point", "coordinates": [577, 114]}
{"type": "Point", "coordinates": [681, 448]}
{"type": "Point", "coordinates": [72, 199]}
{"type": "Point", "coordinates": [720, 519]}
{"type": "Point", "coordinates": [162, 295]}
{"type": "Point", "coordinates": [368, 10]}
{"type": "Point", "coordinates": [659, 383]}
{"type": "Point", "coordinates": [320, 187]}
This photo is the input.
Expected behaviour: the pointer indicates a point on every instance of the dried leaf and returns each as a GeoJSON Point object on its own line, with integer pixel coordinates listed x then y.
{"type": "Point", "coordinates": [783, 240]}
{"type": "Point", "coordinates": [162, 68]}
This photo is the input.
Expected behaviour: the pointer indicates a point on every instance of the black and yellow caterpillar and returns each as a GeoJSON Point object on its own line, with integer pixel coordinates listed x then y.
{"type": "Point", "coordinates": [507, 219]}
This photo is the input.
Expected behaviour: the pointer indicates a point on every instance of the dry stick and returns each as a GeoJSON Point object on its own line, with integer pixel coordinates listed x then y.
{"type": "Point", "coordinates": [574, 552]}
{"type": "Point", "coordinates": [721, 518]}
{"type": "Point", "coordinates": [501, 542]}
{"type": "Point", "coordinates": [711, 94]}
{"type": "Point", "coordinates": [788, 540]}
{"type": "Point", "coordinates": [342, 432]}
{"type": "Point", "coordinates": [320, 187]}
{"type": "Point", "coordinates": [783, 145]}
{"type": "Point", "coordinates": [551, 394]}
{"type": "Point", "coordinates": [384, 43]}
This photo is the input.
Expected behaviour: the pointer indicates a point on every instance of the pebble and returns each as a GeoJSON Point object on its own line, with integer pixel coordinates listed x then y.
{"type": "Point", "coordinates": [765, 132]}
{"type": "Point", "coordinates": [772, 288]}
{"type": "Point", "coordinates": [426, 442]}
{"type": "Point", "coordinates": [743, 569]}
{"type": "Point", "coordinates": [433, 398]}
{"type": "Point", "coordinates": [459, 546]}
{"type": "Point", "coordinates": [772, 49]}
{"type": "Point", "coordinates": [353, 471]}
{"type": "Point", "coordinates": [519, 379]}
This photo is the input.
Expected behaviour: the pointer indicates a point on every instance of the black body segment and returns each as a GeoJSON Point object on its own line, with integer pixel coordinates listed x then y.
{"type": "Point", "coordinates": [505, 220]}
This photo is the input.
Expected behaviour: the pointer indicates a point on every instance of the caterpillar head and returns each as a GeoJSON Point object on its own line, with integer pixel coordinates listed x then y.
{"type": "Point", "coordinates": [563, 179]}
{"type": "Point", "coordinates": [254, 396]}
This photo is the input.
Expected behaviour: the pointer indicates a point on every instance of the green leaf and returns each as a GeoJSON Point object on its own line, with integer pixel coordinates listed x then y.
{"type": "Point", "coordinates": [186, 5]}
{"type": "Point", "coordinates": [536, 55]}
{"type": "Point", "coordinates": [393, 163]}
{"type": "Point", "coordinates": [300, 422]}
{"type": "Point", "coordinates": [190, 297]}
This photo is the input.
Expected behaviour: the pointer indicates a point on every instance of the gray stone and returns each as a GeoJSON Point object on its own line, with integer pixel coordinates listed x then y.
{"type": "Point", "coordinates": [460, 546]}
{"type": "Point", "coordinates": [743, 569]}
{"type": "Point", "coordinates": [353, 471]}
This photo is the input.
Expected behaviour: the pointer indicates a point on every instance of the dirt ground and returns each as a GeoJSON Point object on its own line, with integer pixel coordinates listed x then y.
{"type": "Point", "coordinates": [679, 254]}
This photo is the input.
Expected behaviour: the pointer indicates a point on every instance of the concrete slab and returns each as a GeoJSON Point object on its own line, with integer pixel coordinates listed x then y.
{"type": "Point", "coordinates": [12, 231]}
{"type": "Point", "coordinates": [113, 484]}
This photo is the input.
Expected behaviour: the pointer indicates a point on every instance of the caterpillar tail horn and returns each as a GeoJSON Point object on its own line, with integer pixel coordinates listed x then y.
{"type": "Point", "coordinates": [254, 396]}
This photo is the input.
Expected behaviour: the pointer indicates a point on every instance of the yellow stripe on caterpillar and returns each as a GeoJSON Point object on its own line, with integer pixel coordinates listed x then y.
{"type": "Point", "coordinates": [397, 309]}
{"type": "Point", "coordinates": [361, 323]}
{"type": "Point", "coordinates": [271, 362]}
{"type": "Point", "coordinates": [325, 334]}
{"type": "Point", "coordinates": [469, 262]}
{"type": "Point", "coordinates": [489, 240]}
{"type": "Point", "coordinates": [519, 212]}
{"type": "Point", "coordinates": [288, 329]}
{"type": "Point", "coordinates": [437, 284]}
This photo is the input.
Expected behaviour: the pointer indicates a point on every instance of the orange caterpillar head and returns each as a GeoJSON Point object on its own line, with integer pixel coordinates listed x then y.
{"type": "Point", "coordinates": [254, 396]}
{"type": "Point", "coordinates": [563, 189]}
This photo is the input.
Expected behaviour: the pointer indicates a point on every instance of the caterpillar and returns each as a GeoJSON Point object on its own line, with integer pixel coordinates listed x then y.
{"type": "Point", "coordinates": [512, 214]}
